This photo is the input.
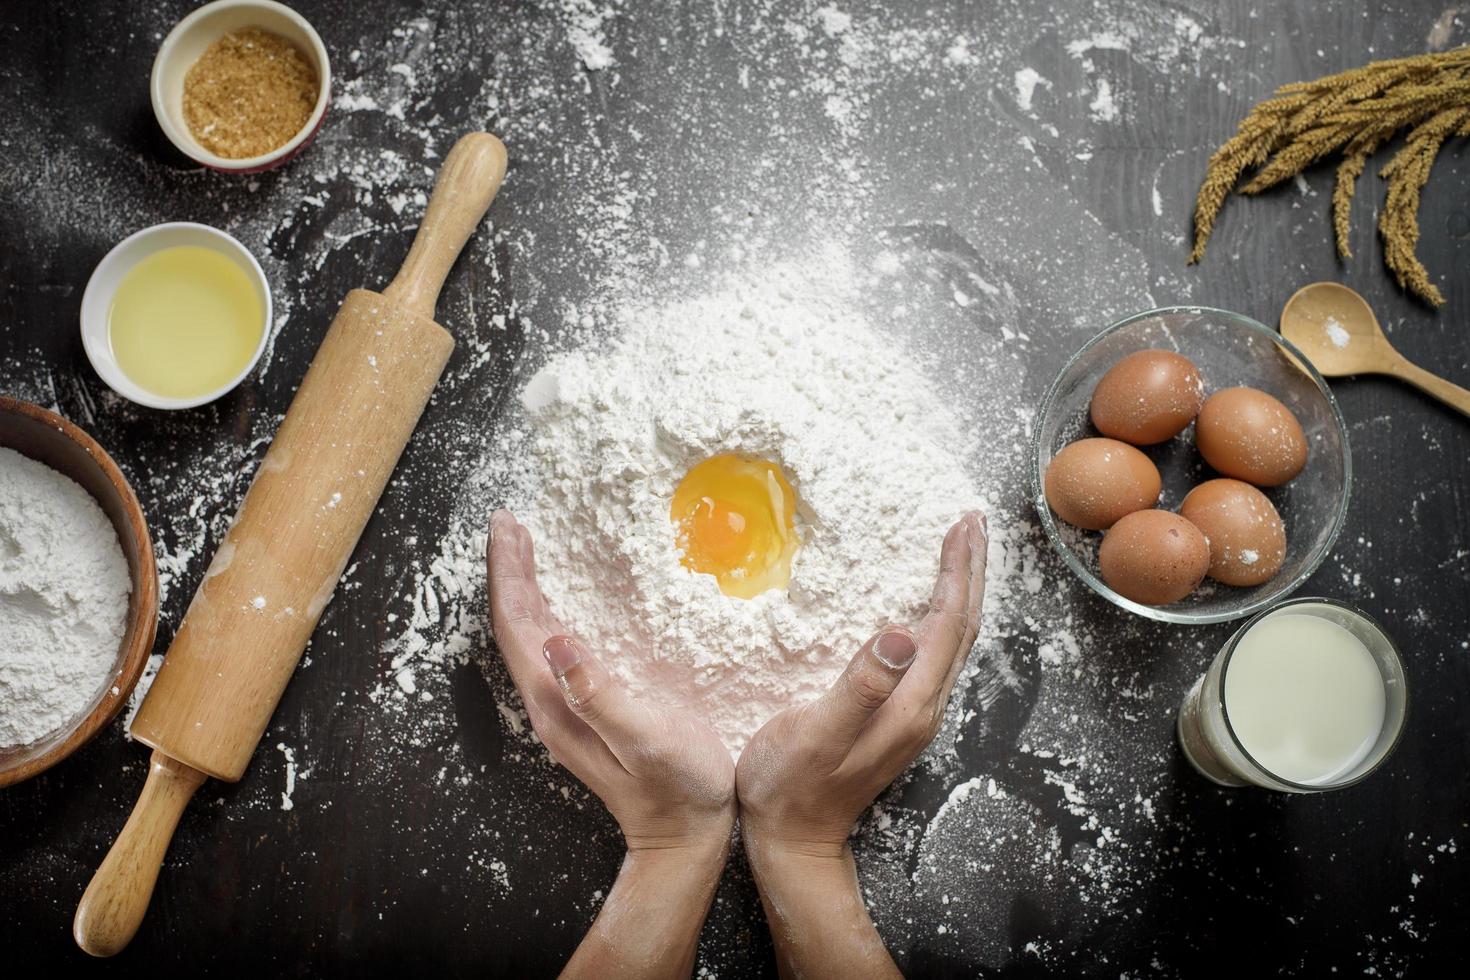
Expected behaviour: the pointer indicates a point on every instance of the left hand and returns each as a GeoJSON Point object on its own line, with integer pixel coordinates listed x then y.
{"type": "Point", "coordinates": [664, 775]}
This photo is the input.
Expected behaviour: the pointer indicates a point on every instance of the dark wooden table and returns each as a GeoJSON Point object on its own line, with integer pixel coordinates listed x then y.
{"type": "Point", "coordinates": [450, 847]}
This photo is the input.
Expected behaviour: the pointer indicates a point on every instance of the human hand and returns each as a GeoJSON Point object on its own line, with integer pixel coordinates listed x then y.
{"type": "Point", "coordinates": [663, 774]}
{"type": "Point", "coordinates": [811, 770]}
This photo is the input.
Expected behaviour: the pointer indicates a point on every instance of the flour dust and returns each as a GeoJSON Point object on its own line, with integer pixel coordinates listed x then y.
{"type": "Point", "coordinates": [783, 368]}
{"type": "Point", "coordinates": [64, 590]}
{"type": "Point", "coordinates": [905, 168]}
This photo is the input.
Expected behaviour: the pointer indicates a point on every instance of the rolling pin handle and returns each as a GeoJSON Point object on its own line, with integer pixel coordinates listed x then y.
{"type": "Point", "coordinates": [467, 183]}
{"type": "Point", "coordinates": [114, 903]}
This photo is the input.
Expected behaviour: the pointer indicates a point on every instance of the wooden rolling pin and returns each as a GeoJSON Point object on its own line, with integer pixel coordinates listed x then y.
{"type": "Point", "coordinates": [275, 571]}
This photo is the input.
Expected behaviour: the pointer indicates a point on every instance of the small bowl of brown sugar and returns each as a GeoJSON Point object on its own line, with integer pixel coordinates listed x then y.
{"type": "Point", "coordinates": [241, 85]}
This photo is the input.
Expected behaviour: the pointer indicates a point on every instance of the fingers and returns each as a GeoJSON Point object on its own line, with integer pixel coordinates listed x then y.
{"type": "Point", "coordinates": [978, 534]}
{"type": "Point", "coordinates": [517, 609]}
{"type": "Point", "coordinates": [595, 697]}
{"type": "Point", "coordinates": [944, 639]}
{"type": "Point", "coordinates": [865, 686]}
{"type": "Point", "coordinates": [526, 551]}
{"type": "Point", "coordinates": [522, 622]}
{"type": "Point", "coordinates": [949, 629]}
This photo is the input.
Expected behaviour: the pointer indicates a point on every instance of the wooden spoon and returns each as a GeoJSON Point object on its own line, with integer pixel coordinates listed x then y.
{"type": "Point", "coordinates": [1338, 332]}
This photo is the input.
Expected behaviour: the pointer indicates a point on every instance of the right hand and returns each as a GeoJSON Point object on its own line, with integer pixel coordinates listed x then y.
{"type": "Point", "coordinates": [811, 770]}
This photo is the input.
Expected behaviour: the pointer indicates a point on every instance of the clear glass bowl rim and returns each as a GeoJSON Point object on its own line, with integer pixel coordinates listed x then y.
{"type": "Point", "coordinates": [1161, 614]}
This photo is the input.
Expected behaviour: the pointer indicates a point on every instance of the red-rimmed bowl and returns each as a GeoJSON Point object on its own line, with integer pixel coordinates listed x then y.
{"type": "Point", "coordinates": [195, 33]}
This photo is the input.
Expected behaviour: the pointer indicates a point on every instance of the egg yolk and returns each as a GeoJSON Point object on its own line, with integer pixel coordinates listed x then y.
{"type": "Point", "coordinates": [734, 518]}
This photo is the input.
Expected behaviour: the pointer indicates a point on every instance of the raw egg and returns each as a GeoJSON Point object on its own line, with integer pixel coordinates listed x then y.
{"type": "Point", "coordinates": [1154, 556]}
{"type": "Point", "coordinates": [1148, 397]}
{"type": "Point", "coordinates": [1093, 482]}
{"type": "Point", "coordinates": [1247, 434]}
{"type": "Point", "coordinates": [1246, 535]}
{"type": "Point", "coordinates": [734, 518]}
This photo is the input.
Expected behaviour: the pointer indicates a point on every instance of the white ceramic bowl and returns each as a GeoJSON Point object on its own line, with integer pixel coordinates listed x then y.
{"type": "Point", "coordinates": [97, 302]}
{"type": "Point", "coordinates": [196, 32]}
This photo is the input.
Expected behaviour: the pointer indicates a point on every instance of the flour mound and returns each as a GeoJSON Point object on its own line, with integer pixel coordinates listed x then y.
{"type": "Point", "coordinates": [63, 599]}
{"type": "Point", "coordinates": [783, 371]}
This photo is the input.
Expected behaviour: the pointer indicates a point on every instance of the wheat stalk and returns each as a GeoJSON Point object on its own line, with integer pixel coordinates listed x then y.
{"type": "Point", "coordinates": [1354, 160]}
{"type": "Point", "coordinates": [1406, 174]}
{"type": "Point", "coordinates": [1353, 114]}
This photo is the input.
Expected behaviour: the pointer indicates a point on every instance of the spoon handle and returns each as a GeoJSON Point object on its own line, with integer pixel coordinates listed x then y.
{"type": "Point", "coordinates": [1432, 384]}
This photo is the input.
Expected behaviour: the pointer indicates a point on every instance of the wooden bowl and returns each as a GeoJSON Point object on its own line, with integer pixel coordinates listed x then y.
{"type": "Point", "coordinates": [48, 438]}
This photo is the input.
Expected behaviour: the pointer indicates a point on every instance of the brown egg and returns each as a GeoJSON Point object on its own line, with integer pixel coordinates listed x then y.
{"type": "Point", "coordinates": [1247, 538]}
{"type": "Point", "coordinates": [1251, 436]}
{"type": "Point", "coordinates": [1148, 397]}
{"type": "Point", "coordinates": [1093, 482]}
{"type": "Point", "coordinates": [1154, 556]}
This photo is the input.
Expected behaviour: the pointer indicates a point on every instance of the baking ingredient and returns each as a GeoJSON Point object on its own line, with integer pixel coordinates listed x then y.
{"type": "Point", "coordinates": [762, 369]}
{"type": "Point", "coordinates": [1148, 397]}
{"type": "Point", "coordinates": [734, 520]}
{"type": "Point", "coordinates": [64, 589]}
{"type": "Point", "coordinates": [1154, 556]}
{"type": "Point", "coordinates": [1093, 482]}
{"type": "Point", "coordinates": [1247, 537]}
{"type": "Point", "coordinates": [185, 321]}
{"type": "Point", "coordinates": [1305, 698]}
{"type": "Point", "coordinates": [250, 92]}
{"type": "Point", "coordinates": [1354, 112]}
{"type": "Point", "coordinates": [1248, 434]}
{"type": "Point", "coordinates": [1051, 795]}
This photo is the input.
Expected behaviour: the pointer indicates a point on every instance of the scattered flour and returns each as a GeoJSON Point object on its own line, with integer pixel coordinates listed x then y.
{"type": "Point", "coordinates": [63, 599]}
{"type": "Point", "coordinates": [1026, 81]}
{"type": "Point", "coordinates": [833, 20]}
{"type": "Point", "coordinates": [1337, 333]}
{"type": "Point", "coordinates": [775, 368]}
{"type": "Point", "coordinates": [1100, 41]}
{"type": "Point", "coordinates": [1103, 107]}
{"type": "Point", "coordinates": [784, 131]}
{"type": "Point", "coordinates": [289, 755]}
{"type": "Point", "coordinates": [586, 31]}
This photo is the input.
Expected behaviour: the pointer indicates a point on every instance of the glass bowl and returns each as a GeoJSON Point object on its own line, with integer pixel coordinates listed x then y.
{"type": "Point", "coordinates": [1229, 350]}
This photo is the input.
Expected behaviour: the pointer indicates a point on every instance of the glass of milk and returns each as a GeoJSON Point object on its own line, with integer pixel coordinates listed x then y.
{"type": "Point", "coordinates": [1309, 695]}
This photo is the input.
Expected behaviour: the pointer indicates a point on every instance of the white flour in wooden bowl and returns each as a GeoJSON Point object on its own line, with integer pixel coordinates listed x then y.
{"type": "Point", "coordinates": [780, 371]}
{"type": "Point", "coordinates": [63, 598]}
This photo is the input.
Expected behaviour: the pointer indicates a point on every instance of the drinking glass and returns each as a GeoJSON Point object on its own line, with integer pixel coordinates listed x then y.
{"type": "Point", "coordinates": [1210, 742]}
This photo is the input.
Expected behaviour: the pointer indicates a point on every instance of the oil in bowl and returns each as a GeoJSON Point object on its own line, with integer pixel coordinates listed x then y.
{"type": "Point", "coordinates": [176, 315]}
{"type": "Point", "coordinates": [184, 322]}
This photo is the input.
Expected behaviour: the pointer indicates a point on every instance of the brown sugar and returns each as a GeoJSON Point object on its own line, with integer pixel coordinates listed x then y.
{"type": "Point", "coordinates": [249, 93]}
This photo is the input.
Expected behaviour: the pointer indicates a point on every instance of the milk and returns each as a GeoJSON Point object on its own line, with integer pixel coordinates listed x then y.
{"type": "Point", "coordinates": [1310, 696]}
{"type": "Point", "coordinates": [1304, 697]}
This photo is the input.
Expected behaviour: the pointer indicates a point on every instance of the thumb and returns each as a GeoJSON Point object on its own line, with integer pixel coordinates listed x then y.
{"type": "Point", "coordinates": [595, 696]}
{"type": "Point", "coordinates": [865, 685]}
